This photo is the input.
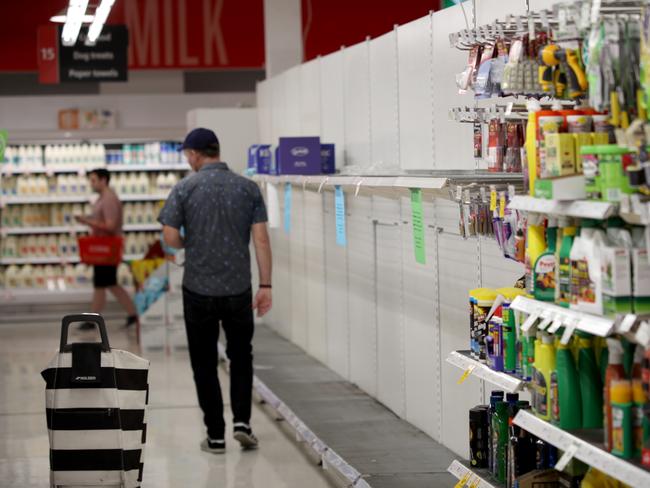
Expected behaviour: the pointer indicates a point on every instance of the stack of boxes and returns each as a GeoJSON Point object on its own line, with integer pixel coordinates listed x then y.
{"type": "Point", "coordinates": [292, 156]}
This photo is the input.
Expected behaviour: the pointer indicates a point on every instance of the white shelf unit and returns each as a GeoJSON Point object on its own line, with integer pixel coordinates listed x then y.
{"type": "Point", "coordinates": [56, 260]}
{"type": "Point", "coordinates": [29, 200]}
{"type": "Point", "coordinates": [507, 382]}
{"type": "Point", "coordinates": [10, 170]}
{"type": "Point", "coordinates": [556, 316]}
{"type": "Point", "coordinates": [585, 451]}
{"type": "Point", "coordinates": [472, 478]}
{"type": "Point", "coordinates": [586, 209]}
{"type": "Point", "coordinates": [65, 229]}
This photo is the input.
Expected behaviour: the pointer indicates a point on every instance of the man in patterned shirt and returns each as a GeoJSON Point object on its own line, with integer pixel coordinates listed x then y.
{"type": "Point", "coordinates": [219, 211]}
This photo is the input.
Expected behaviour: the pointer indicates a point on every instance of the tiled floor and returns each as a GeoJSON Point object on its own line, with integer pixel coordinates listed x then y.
{"type": "Point", "coordinates": [172, 457]}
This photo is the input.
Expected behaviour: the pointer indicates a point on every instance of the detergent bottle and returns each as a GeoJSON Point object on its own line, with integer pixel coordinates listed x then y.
{"type": "Point", "coordinates": [567, 412]}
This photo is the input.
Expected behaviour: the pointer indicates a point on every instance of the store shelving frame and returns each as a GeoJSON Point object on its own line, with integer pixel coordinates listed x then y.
{"type": "Point", "coordinates": [505, 381]}
{"type": "Point", "coordinates": [471, 477]}
{"type": "Point", "coordinates": [583, 450]}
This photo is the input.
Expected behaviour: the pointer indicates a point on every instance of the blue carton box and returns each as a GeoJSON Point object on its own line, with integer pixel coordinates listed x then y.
{"type": "Point", "coordinates": [328, 159]}
{"type": "Point", "coordinates": [299, 156]}
{"type": "Point", "coordinates": [252, 156]}
{"type": "Point", "coordinates": [263, 159]}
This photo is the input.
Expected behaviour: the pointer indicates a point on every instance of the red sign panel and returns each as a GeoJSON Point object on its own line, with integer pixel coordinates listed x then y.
{"type": "Point", "coordinates": [48, 54]}
{"type": "Point", "coordinates": [164, 34]}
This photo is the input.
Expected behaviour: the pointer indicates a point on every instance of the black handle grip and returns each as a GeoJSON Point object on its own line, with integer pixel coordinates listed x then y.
{"type": "Point", "coordinates": [83, 317]}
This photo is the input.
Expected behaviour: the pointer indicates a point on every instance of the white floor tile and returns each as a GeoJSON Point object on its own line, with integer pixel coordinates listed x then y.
{"type": "Point", "coordinates": [172, 456]}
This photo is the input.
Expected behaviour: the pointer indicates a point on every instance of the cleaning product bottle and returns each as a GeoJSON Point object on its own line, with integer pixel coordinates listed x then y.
{"type": "Point", "coordinates": [586, 264]}
{"type": "Point", "coordinates": [545, 363]}
{"type": "Point", "coordinates": [544, 272]}
{"type": "Point", "coordinates": [640, 272]}
{"type": "Point", "coordinates": [535, 245]}
{"type": "Point", "coordinates": [615, 372]}
{"type": "Point", "coordinates": [622, 433]}
{"type": "Point", "coordinates": [602, 353]}
{"type": "Point", "coordinates": [591, 387]}
{"type": "Point", "coordinates": [567, 413]}
{"type": "Point", "coordinates": [500, 440]}
{"type": "Point", "coordinates": [563, 293]}
{"type": "Point", "coordinates": [616, 259]}
{"type": "Point", "coordinates": [508, 328]}
{"type": "Point", "coordinates": [638, 415]}
{"type": "Point", "coordinates": [495, 397]}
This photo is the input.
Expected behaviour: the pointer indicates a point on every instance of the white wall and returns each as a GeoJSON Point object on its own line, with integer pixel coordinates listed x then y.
{"type": "Point", "coordinates": [135, 111]}
{"type": "Point", "coordinates": [236, 129]}
{"type": "Point", "coordinates": [389, 322]}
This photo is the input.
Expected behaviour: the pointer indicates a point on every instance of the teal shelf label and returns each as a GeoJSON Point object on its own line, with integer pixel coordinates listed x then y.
{"type": "Point", "coordinates": [287, 207]}
{"type": "Point", "coordinates": [418, 225]}
{"type": "Point", "coordinates": [339, 204]}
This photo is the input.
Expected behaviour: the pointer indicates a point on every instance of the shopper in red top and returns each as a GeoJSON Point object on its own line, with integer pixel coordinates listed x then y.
{"type": "Point", "coordinates": [106, 220]}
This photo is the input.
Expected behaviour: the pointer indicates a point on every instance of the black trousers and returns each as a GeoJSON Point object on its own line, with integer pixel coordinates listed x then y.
{"type": "Point", "coordinates": [202, 317]}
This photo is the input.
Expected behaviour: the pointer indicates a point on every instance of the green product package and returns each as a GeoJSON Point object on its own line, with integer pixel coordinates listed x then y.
{"type": "Point", "coordinates": [500, 430]}
{"type": "Point", "coordinates": [591, 385]}
{"type": "Point", "coordinates": [569, 409]}
{"type": "Point", "coordinates": [3, 144]}
{"type": "Point", "coordinates": [544, 268]}
{"type": "Point", "coordinates": [564, 267]}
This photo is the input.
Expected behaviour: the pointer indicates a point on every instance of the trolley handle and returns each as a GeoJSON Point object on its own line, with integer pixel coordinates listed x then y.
{"type": "Point", "coordinates": [83, 317]}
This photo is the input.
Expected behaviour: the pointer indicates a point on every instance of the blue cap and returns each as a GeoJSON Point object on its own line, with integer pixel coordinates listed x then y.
{"type": "Point", "coordinates": [200, 139]}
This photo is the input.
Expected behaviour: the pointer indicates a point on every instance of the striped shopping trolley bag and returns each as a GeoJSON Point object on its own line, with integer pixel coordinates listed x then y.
{"type": "Point", "coordinates": [95, 404]}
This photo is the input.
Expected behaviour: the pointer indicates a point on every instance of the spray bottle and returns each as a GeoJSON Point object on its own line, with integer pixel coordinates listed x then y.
{"type": "Point", "coordinates": [614, 372]}
{"type": "Point", "coordinates": [568, 412]}
{"type": "Point", "coordinates": [544, 269]}
{"type": "Point", "coordinates": [563, 289]}
{"type": "Point", "coordinates": [591, 387]}
{"type": "Point", "coordinates": [544, 367]}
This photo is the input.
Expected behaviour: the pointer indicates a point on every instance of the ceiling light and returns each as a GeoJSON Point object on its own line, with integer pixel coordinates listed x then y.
{"type": "Point", "coordinates": [61, 18]}
{"type": "Point", "coordinates": [74, 18]}
{"type": "Point", "coordinates": [101, 14]}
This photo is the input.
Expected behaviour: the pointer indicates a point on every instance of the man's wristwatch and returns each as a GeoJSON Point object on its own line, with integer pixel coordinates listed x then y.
{"type": "Point", "coordinates": [266, 286]}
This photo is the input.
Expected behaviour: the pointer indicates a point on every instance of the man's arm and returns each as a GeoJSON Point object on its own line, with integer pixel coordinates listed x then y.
{"type": "Point", "coordinates": [172, 237]}
{"type": "Point", "coordinates": [263, 300]}
{"type": "Point", "coordinates": [109, 225]}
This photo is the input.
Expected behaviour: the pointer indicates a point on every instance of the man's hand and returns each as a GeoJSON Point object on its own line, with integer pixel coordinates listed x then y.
{"type": "Point", "coordinates": [263, 301]}
{"type": "Point", "coordinates": [81, 219]}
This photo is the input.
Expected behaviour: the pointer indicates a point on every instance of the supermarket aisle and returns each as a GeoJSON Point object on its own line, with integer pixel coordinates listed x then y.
{"type": "Point", "coordinates": [172, 457]}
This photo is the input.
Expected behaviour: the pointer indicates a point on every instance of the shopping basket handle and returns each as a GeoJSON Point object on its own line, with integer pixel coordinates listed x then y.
{"type": "Point", "coordinates": [83, 317]}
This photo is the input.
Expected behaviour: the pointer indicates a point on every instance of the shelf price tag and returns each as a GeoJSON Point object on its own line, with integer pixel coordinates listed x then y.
{"type": "Point", "coordinates": [530, 321]}
{"type": "Point", "coordinates": [287, 207]}
{"type": "Point", "coordinates": [502, 205]}
{"type": "Point", "coordinates": [493, 199]}
{"type": "Point", "coordinates": [466, 374]}
{"type": "Point", "coordinates": [557, 323]}
{"type": "Point", "coordinates": [568, 331]}
{"type": "Point", "coordinates": [545, 323]}
{"type": "Point", "coordinates": [567, 457]}
{"type": "Point", "coordinates": [418, 225]}
{"type": "Point", "coordinates": [627, 323]}
{"type": "Point", "coordinates": [463, 481]}
{"type": "Point", "coordinates": [643, 334]}
{"type": "Point", "coordinates": [339, 208]}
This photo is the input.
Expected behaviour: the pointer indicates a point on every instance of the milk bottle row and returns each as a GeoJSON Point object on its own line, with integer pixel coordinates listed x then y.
{"type": "Point", "coordinates": [62, 246]}
{"type": "Point", "coordinates": [65, 246]}
{"type": "Point", "coordinates": [62, 215]}
{"type": "Point", "coordinates": [71, 185]}
{"type": "Point", "coordinates": [43, 215]}
{"type": "Point", "coordinates": [54, 277]}
{"type": "Point", "coordinates": [149, 153]}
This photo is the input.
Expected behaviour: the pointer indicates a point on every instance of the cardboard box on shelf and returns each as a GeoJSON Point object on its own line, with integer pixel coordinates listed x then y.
{"type": "Point", "coordinates": [561, 188]}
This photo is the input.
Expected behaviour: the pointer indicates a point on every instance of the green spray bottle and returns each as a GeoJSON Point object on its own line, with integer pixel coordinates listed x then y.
{"type": "Point", "coordinates": [500, 441]}
{"type": "Point", "coordinates": [591, 385]}
{"type": "Point", "coordinates": [544, 268]}
{"type": "Point", "coordinates": [563, 293]}
{"type": "Point", "coordinates": [568, 411]}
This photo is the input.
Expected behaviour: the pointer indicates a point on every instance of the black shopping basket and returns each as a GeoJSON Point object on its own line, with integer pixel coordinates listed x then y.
{"type": "Point", "coordinates": [95, 403]}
